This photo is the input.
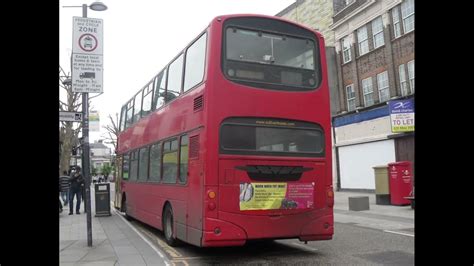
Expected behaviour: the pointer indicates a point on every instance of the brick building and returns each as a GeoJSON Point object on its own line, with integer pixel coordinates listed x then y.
{"type": "Point", "coordinates": [375, 53]}
{"type": "Point", "coordinates": [373, 63]}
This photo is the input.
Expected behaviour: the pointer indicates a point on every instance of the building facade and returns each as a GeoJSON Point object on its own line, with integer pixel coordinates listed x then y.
{"type": "Point", "coordinates": [375, 57]}
{"type": "Point", "coordinates": [371, 61]}
{"type": "Point", "coordinates": [100, 155]}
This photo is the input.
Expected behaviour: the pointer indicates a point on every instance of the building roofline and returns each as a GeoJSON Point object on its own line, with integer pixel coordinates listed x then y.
{"type": "Point", "coordinates": [350, 15]}
{"type": "Point", "coordinates": [289, 8]}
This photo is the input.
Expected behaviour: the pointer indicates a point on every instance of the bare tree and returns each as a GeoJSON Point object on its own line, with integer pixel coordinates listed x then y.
{"type": "Point", "coordinates": [68, 135]}
{"type": "Point", "coordinates": [112, 131]}
{"type": "Point", "coordinates": [112, 136]}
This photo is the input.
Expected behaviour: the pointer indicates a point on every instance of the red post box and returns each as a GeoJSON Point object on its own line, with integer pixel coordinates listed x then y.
{"type": "Point", "coordinates": [400, 182]}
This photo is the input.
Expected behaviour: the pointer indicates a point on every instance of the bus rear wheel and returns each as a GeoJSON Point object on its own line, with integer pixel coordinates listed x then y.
{"type": "Point", "coordinates": [124, 209]}
{"type": "Point", "coordinates": [168, 226]}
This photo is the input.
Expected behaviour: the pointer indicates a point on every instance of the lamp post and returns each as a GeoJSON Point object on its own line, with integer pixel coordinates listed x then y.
{"type": "Point", "coordinates": [96, 6]}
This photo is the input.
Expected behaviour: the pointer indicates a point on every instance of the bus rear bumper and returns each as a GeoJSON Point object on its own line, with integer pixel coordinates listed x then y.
{"type": "Point", "coordinates": [318, 229]}
{"type": "Point", "coordinates": [222, 233]}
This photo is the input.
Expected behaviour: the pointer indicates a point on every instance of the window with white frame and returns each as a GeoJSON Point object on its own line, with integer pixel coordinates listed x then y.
{"type": "Point", "coordinates": [396, 22]}
{"type": "Point", "coordinates": [368, 91]}
{"type": "Point", "coordinates": [411, 74]}
{"type": "Point", "coordinates": [403, 80]}
{"type": "Point", "coordinates": [346, 49]}
{"type": "Point", "coordinates": [362, 40]}
{"type": "Point", "coordinates": [377, 32]}
{"type": "Point", "coordinates": [382, 84]}
{"type": "Point", "coordinates": [408, 15]}
{"type": "Point", "coordinates": [350, 94]}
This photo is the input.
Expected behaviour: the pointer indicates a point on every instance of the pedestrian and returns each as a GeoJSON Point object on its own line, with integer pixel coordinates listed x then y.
{"type": "Point", "coordinates": [60, 205]}
{"type": "Point", "coordinates": [76, 184]}
{"type": "Point", "coordinates": [83, 190]}
{"type": "Point", "coordinates": [65, 186]}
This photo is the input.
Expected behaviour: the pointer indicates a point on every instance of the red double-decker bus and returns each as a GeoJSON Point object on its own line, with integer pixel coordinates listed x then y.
{"type": "Point", "coordinates": [231, 141]}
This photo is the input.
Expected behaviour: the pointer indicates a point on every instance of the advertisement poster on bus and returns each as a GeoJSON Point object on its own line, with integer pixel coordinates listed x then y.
{"type": "Point", "coordinates": [272, 196]}
{"type": "Point", "coordinates": [402, 115]}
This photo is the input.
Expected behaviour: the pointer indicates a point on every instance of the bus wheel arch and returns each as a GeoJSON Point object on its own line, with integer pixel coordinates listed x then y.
{"type": "Point", "coordinates": [123, 207]}
{"type": "Point", "coordinates": [168, 225]}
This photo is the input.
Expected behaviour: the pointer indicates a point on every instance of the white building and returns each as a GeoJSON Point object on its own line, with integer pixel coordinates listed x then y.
{"type": "Point", "coordinates": [100, 155]}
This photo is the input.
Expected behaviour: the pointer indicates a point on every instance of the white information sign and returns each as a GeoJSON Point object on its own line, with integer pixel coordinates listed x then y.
{"type": "Point", "coordinates": [70, 116]}
{"type": "Point", "coordinates": [87, 55]}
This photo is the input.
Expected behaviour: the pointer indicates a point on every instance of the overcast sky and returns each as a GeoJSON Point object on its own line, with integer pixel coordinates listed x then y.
{"type": "Point", "coordinates": [142, 36]}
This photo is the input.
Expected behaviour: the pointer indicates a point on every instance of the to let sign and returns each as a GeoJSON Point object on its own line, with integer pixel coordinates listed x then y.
{"type": "Point", "coordinates": [87, 55]}
{"type": "Point", "coordinates": [402, 115]}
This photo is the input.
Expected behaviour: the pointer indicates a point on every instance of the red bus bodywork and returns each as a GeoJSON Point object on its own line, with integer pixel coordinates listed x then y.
{"type": "Point", "coordinates": [204, 221]}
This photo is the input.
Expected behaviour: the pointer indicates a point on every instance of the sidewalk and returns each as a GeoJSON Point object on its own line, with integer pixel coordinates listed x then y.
{"type": "Point", "coordinates": [381, 217]}
{"type": "Point", "coordinates": [114, 242]}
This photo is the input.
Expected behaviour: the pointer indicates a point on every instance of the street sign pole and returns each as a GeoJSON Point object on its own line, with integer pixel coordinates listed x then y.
{"type": "Point", "coordinates": [85, 162]}
{"type": "Point", "coordinates": [87, 74]}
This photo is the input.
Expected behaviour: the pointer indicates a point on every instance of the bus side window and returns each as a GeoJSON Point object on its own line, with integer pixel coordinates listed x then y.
{"type": "Point", "coordinates": [123, 115]}
{"type": "Point", "coordinates": [155, 162]}
{"type": "Point", "coordinates": [159, 90]}
{"type": "Point", "coordinates": [183, 160]}
{"type": "Point", "coordinates": [170, 161]}
{"type": "Point", "coordinates": [125, 166]}
{"type": "Point", "coordinates": [134, 166]}
{"type": "Point", "coordinates": [147, 99]}
{"type": "Point", "coordinates": [143, 164]}
{"type": "Point", "coordinates": [137, 106]}
{"type": "Point", "coordinates": [175, 78]}
{"type": "Point", "coordinates": [129, 120]}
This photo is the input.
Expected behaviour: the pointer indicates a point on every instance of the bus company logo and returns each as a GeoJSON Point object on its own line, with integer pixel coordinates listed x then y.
{"type": "Point", "coordinates": [275, 123]}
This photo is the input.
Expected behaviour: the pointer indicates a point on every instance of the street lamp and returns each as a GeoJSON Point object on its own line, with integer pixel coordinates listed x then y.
{"type": "Point", "coordinates": [96, 6]}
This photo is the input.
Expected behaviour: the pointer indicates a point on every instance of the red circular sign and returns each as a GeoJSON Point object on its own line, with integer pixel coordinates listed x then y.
{"type": "Point", "coordinates": [88, 42]}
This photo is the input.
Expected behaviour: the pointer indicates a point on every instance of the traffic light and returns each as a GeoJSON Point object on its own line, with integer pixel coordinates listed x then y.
{"type": "Point", "coordinates": [74, 151]}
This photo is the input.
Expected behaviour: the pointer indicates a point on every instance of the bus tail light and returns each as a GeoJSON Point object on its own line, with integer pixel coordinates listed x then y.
{"type": "Point", "coordinates": [330, 197]}
{"type": "Point", "coordinates": [211, 194]}
{"type": "Point", "coordinates": [211, 206]}
{"type": "Point", "coordinates": [211, 202]}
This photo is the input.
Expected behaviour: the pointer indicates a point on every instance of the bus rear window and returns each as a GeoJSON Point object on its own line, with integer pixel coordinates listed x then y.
{"type": "Point", "coordinates": [264, 48]}
{"type": "Point", "coordinates": [269, 58]}
{"type": "Point", "coordinates": [266, 140]}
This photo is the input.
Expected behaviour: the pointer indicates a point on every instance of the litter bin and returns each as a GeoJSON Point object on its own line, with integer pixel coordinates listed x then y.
{"type": "Point", "coordinates": [382, 189]}
{"type": "Point", "coordinates": [400, 182]}
{"type": "Point", "coordinates": [102, 199]}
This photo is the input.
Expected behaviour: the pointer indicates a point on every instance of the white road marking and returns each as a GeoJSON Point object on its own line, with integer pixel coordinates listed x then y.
{"type": "Point", "coordinates": [398, 233]}
{"type": "Point", "coordinates": [140, 234]}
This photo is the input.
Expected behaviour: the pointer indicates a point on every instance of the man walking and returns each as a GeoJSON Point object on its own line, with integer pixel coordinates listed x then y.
{"type": "Point", "coordinates": [65, 186]}
{"type": "Point", "coordinates": [76, 184]}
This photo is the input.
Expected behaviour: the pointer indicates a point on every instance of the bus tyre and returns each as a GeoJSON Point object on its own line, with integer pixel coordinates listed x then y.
{"type": "Point", "coordinates": [124, 210]}
{"type": "Point", "coordinates": [168, 226]}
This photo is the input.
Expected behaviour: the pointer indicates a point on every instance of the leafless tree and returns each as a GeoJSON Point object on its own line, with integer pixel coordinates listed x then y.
{"type": "Point", "coordinates": [68, 135]}
{"type": "Point", "coordinates": [112, 136]}
{"type": "Point", "coordinates": [112, 131]}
